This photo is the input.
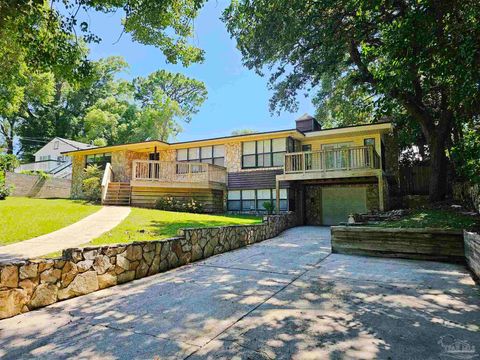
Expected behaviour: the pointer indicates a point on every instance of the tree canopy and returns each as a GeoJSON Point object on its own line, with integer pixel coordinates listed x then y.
{"type": "Point", "coordinates": [104, 109]}
{"type": "Point", "coordinates": [48, 40]}
{"type": "Point", "coordinates": [416, 61]}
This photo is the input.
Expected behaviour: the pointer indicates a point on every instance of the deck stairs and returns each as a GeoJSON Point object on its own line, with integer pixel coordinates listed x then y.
{"type": "Point", "coordinates": [118, 193]}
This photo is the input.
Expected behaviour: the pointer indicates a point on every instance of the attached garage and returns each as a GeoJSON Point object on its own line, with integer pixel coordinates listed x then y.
{"type": "Point", "coordinates": [339, 202]}
{"type": "Point", "coordinates": [331, 205]}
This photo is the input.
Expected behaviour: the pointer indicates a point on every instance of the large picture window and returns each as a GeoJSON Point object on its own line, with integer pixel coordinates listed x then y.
{"type": "Point", "coordinates": [253, 200]}
{"type": "Point", "coordinates": [100, 160]}
{"type": "Point", "coordinates": [264, 153]}
{"type": "Point", "coordinates": [206, 154]}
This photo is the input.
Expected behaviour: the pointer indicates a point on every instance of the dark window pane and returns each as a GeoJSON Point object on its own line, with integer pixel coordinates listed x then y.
{"type": "Point", "coordinates": [248, 194]}
{"type": "Point", "coordinates": [249, 161]}
{"type": "Point", "coordinates": [283, 205]}
{"type": "Point", "coordinates": [260, 160]}
{"type": "Point", "coordinates": [369, 141]}
{"type": "Point", "coordinates": [234, 205]}
{"type": "Point", "coordinates": [278, 159]}
{"type": "Point", "coordinates": [260, 204]}
{"type": "Point", "coordinates": [267, 160]}
{"type": "Point", "coordinates": [219, 161]}
{"type": "Point", "coordinates": [248, 205]}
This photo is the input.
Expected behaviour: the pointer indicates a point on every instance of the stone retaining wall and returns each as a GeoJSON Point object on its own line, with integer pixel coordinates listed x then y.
{"type": "Point", "coordinates": [38, 187]}
{"type": "Point", "coordinates": [30, 284]}
{"type": "Point", "coordinates": [422, 244]}
{"type": "Point", "coordinates": [472, 252]}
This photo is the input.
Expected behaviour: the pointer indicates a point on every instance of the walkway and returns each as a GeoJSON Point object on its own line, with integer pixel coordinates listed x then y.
{"type": "Point", "coordinates": [73, 235]}
{"type": "Point", "coordinates": [284, 298]}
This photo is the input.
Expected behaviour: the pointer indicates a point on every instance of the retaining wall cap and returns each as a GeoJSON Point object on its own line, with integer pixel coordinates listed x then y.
{"type": "Point", "coordinates": [395, 230]}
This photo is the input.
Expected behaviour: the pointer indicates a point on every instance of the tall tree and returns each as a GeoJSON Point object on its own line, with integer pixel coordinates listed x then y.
{"type": "Point", "coordinates": [43, 36]}
{"type": "Point", "coordinates": [422, 56]}
{"type": "Point", "coordinates": [38, 91]}
{"type": "Point", "coordinates": [188, 93]}
{"type": "Point", "coordinates": [103, 109]}
{"type": "Point", "coordinates": [64, 115]}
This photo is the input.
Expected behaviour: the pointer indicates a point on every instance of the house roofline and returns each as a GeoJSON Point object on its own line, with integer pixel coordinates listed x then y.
{"type": "Point", "coordinates": [65, 141]}
{"type": "Point", "coordinates": [184, 142]}
{"type": "Point", "coordinates": [242, 136]}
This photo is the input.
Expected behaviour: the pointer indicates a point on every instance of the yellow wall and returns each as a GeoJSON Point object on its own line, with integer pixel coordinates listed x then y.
{"type": "Point", "coordinates": [356, 140]}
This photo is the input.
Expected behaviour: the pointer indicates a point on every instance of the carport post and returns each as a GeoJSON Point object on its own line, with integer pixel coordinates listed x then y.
{"type": "Point", "coordinates": [277, 199]}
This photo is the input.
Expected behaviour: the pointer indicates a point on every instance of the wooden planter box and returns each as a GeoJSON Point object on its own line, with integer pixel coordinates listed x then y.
{"type": "Point", "coordinates": [421, 244]}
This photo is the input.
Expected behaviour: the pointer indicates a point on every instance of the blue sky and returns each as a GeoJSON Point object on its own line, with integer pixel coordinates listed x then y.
{"type": "Point", "coordinates": [237, 99]}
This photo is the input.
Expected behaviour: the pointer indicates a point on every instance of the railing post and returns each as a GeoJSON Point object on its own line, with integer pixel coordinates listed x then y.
{"type": "Point", "coordinates": [304, 162]}
{"type": "Point", "coordinates": [348, 158]}
{"type": "Point", "coordinates": [370, 150]}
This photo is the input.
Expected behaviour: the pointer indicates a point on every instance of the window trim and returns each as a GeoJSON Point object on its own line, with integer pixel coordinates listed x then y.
{"type": "Point", "coordinates": [101, 163]}
{"type": "Point", "coordinates": [257, 154]}
{"type": "Point", "coordinates": [256, 200]}
{"type": "Point", "coordinates": [200, 158]}
{"type": "Point", "coordinates": [370, 138]}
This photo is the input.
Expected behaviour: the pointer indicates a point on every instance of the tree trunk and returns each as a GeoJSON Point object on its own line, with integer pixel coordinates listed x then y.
{"type": "Point", "coordinates": [438, 166]}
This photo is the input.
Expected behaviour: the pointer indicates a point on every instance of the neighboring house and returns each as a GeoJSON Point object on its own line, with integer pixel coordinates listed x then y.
{"type": "Point", "coordinates": [324, 175]}
{"type": "Point", "coordinates": [51, 160]}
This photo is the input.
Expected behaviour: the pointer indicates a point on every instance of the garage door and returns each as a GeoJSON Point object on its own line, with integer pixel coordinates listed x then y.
{"type": "Point", "coordinates": [339, 202]}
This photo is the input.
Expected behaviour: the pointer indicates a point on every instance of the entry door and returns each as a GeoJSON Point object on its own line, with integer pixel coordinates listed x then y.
{"type": "Point", "coordinates": [154, 169]}
{"type": "Point", "coordinates": [339, 202]}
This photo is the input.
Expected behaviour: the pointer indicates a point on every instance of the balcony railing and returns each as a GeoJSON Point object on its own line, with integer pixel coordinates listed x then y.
{"type": "Point", "coordinates": [175, 172]}
{"type": "Point", "coordinates": [343, 159]}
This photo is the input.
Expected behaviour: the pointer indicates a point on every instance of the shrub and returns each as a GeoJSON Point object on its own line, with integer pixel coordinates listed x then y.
{"type": "Point", "coordinates": [269, 206]}
{"type": "Point", "coordinates": [92, 183]}
{"type": "Point", "coordinates": [8, 162]}
{"type": "Point", "coordinates": [4, 189]}
{"type": "Point", "coordinates": [42, 174]}
{"type": "Point", "coordinates": [172, 204]}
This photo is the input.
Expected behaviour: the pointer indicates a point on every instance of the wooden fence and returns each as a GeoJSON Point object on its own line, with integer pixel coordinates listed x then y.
{"type": "Point", "coordinates": [415, 180]}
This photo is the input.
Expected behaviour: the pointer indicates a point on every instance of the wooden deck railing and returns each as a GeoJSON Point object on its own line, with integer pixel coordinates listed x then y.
{"type": "Point", "coordinates": [351, 158]}
{"type": "Point", "coordinates": [107, 179]}
{"type": "Point", "coordinates": [174, 171]}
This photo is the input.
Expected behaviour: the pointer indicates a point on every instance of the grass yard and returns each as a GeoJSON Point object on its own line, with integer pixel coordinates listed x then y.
{"type": "Point", "coordinates": [25, 218]}
{"type": "Point", "coordinates": [150, 224]}
{"type": "Point", "coordinates": [439, 219]}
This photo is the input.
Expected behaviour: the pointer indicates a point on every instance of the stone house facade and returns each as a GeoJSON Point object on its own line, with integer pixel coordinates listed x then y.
{"type": "Point", "coordinates": [322, 174]}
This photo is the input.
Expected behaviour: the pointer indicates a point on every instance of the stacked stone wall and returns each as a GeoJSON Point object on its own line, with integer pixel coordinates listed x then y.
{"type": "Point", "coordinates": [37, 187]}
{"type": "Point", "coordinates": [31, 284]}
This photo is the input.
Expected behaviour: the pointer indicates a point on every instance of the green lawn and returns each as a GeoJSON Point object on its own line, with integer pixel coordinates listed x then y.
{"type": "Point", "coordinates": [439, 219]}
{"type": "Point", "coordinates": [150, 224]}
{"type": "Point", "coordinates": [25, 218]}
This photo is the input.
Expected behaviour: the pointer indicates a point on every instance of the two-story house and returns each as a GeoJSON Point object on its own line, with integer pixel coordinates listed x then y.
{"type": "Point", "coordinates": [50, 157]}
{"type": "Point", "coordinates": [323, 174]}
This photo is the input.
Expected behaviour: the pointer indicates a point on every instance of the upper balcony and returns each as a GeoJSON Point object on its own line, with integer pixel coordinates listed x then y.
{"type": "Point", "coordinates": [150, 173]}
{"type": "Point", "coordinates": [335, 163]}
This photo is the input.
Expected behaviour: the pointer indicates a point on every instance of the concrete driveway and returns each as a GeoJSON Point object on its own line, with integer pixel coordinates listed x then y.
{"type": "Point", "coordinates": [284, 298]}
